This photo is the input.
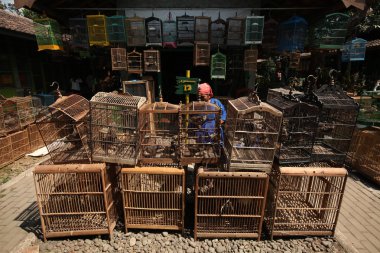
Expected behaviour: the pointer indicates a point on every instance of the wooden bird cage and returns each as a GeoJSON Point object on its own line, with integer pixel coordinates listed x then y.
{"type": "Point", "coordinates": [169, 32]}
{"type": "Point", "coordinates": [116, 29]}
{"type": "Point", "coordinates": [6, 154]}
{"type": "Point", "coordinates": [254, 27]}
{"type": "Point", "coordinates": [201, 54]}
{"type": "Point", "coordinates": [218, 66]}
{"type": "Point", "coordinates": [17, 113]}
{"type": "Point", "coordinates": [153, 198]}
{"type": "Point", "coordinates": [158, 133]}
{"type": "Point", "coordinates": [229, 204]}
{"type": "Point", "coordinates": [64, 129]}
{"type": "Point", "coordinates": [278, 92]}
{"type": "Point", "coordinates": [113, 125]}
{"type": "Point", "coordinates": [304, 201]}
{"type": "Point", "coordinates": [250, 59]}
{"type": "Point", "coordinates": [185, 30]}
{"type": "Point", "coordinates": [97, 30]}
{"type": "Point", "coordinates": [294, 60]}
{"type": "Point", "coordinates": [235, 59]}
{"type": "Point", "coordinates": [74, 200]}
{"type": "Point", "coordinates": [202, 29]}
{"type": "Point", "coordinates": [354, 50]}
{"type": "Point", "coordinates": [152, 61]}
{"type": "Point", "coordinates": [48, 34]}
{"type": "Point", "coordinates": [35, 137]}
{"type": "Point", "coordinates": [135, 28]}
{"type": "Point", "coordinates": [119, 58]}
{"type": "Point", "coordinates": [20, 143]}
{"type": "Point", "coordinates": [141, 88]}
{"type": "Point", "coordinates": [369, 113]}
{"type": "Point", "coordinates": [79, 32]}
{"type": "Point", "coordinates": [270, 34]}
{"type": "Point", "coordinates": [252, 130]}
{"type": "Point", "coordinates": [134, 62]}
{"type": "Point", "coordinates": [200, 137]}
{"type": "Point", "coordinates": [292, 34]}
{"type": "Point", "coordinates": [235, 31]}
{"type": "Point", "coordinates": [218, 32]}
{"type": "Point", "coordinates": [2, 121]}
{"type": "Point", "coordinates": [298, 129]}
{"type": "Point", "coordinates": [153, 27]}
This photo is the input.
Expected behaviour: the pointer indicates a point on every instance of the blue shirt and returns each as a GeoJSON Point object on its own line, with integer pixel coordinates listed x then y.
{"type": "Point", "coordinates": [217, 102]}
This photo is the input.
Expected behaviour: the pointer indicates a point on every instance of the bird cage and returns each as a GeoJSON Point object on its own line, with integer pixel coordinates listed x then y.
{"type": "Point", "coordinates": [152, 61]}
{"type": "Point", "coordinates": [278, 92]}
{"type": "Point", "coordinates": [64, 129]}
{"type": "Point", "coordinates": [116, 29]}
{"type": "Point", "coordinates": [153, 197]}
{"type": "Point", "coordinates": [218, 66]}
{"type": "Point", "coordinates": [97, 30]}
{"type": "Point", "coordinates": [235, 59]}
{"type": "Point", "coordinates": [252, 130]}
{"type": "Point", "coordinates": [292, 34]}
{"type": "Point", "coordinates": [20, 143]}
{"type": "Point", "coordinates": [169, 32]}
{"type": "Point", "coordinates": [201, 54]}
{"type": "Point", "coordinates": [185, 30]}
{"type": "Point", "coordinates": [235, 31]}
{"type": "Point", "coordinates": [153, 27]}
{"type": "Point", "coordinates": [250, 59]}
{"type": "Point", "coordinates": [134, 62]}
{"type": "Point", "coordinates": [142, 88]}
{"type": "Point", "coordinates": [79, 32]}
{"type": "Point", "coordinates": [119, 58]}
{"type": "Point", "coordinates": [17, 113]}
{"type": "Point", "coordinates": [254, 27]}
{"type": "Point", "coordinates": [202, 29]}
{"type": "Point", "coordinates": [218, 31]}
{"type": "Point", "coordinates": [135, 28]}
{"type": "Point", "coordinates": [2, 121]}
{"type": "Point", "coordinates": [200, 137]}
{"type": "Point", "coordinates": [270, 34]}
{"type": "Point", "coordinates": [35, 137]}
{"type": "Point", "coordinates": [113, 125]}
{"type": "Point", "coordinates": [229, 204]}
{"type": "Point", "coordinates": [6, 154]}
{"type": "Point", "coordinates": [304, 201]}
{"type": "Point", "coordinates": [294, 60]}
{"type": "Point", "coordinates": [369, 113]}
{"type": "Point", "coordinates": [298, 129]}
{"type": "Point", "coordinates": [330, 33]}
{"type": "Point", "coordinates": [354, 50]}
{"type": "Point", "coordinates": [48, 34]}
{"type": "Point", "coordinates": [74, 200]}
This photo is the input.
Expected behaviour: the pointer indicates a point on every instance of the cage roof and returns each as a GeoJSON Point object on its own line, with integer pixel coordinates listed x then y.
{"type": "Point", "coordinates": [244, 105]}
{"type": "Point", "coordinates": [118, 99]}
{"type": "Point", "coordinates": [74, 106]}
{"type": "Point", "coordinates": [288, 106]}
{"type": "Point", "coordinates": [199, 106]}
{"type": "Point", "coordinates": [333, 96]}
{"type": "Point", "coordinates": [160, 107]}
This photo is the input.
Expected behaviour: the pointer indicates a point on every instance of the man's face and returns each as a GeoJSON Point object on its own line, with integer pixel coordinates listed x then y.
{"type": "Point", "coordinates": [205, 97]}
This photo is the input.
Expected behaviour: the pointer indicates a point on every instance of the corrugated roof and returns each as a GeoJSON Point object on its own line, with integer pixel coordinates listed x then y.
{"type": "Point", "coordinates": [373, 43]}
{"type": "Point", "coordinates": [14, 22]}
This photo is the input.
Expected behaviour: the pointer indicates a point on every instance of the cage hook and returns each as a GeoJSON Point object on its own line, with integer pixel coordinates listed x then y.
{"type": "Point", "coordinates": [253, 97]}
{"type": "Point", "coordinates": [377, 86]}
{"type": "Point", "coordinates": [59, 94]}
{"type": "Point", "coordinates": [332, 74]}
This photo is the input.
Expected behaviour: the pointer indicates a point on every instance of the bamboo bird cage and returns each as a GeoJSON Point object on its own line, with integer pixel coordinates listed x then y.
{"type": "Point", "coordinates": [250, 59]}
{"type": "Point", "coordinates": [185, 30]}
{"type": "Point", "coordinates": [134, 62]}
{"type": "Point", "coordinates": [119, 58]}
{"type": "Point", "coordinates": [254, 27]}
{"type": "Point", "coordinates": [17, 113]}
{"type": "Point", "coordinates": [201, 54]}
{"type": "Point", "coordinates": [135, 28]}
{"type": "Point", "coordinates": [169, 32]}
{"type": "Point", "coordinates": [6, 154]}
{"type": "Point", "coordinates": [218, 31]}
{"type": "Point", "coordinates": [202, 29]}
{"type": "Point", "coordinates": [35, 137]}
{"type": "Point", "coordinates": [79, 33]}
{"type": "Point", "coordinates": [152, 60]}
{"type": "Point", "coordinates": [116, 29]}
{"type": "Point", "coordinates": [97, 30]}
{"type": "Point", "coordinates": [235, 31]}
{"type": "Point", "coordinates": [153, 27]}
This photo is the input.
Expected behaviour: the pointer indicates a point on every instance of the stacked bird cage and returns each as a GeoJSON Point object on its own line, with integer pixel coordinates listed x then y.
{"type": "Point", "coordinates": [235, 31]}
{"type": "Point", "coordinates": [79, 32]}
{"type": "Point", "coordinates": [153, 31]}
{"type": "Point", "coordinates": [201, 54]}
{"type": "Point", "coordinates": [141, 88]}
{"type": "Point", "coordinates": [304, 201]}
{"type": "Point", "coordinates": [2, 120]}
{"type": "Point", "coordinates": [119, 58]}
{"type": "Point", "coordinates": [113, 124]}
{"type": "Point", "coordinates": [250, 59]}
{"type": "Point", "coordinates": [64, 129]}
{"type": "Point", "coordinates": [134, 62]}
{"type": "Point", "coordinates": [158, 133]}
{"type": "Point", "coordinates": [218, 66]}
{"type": "Point", "coordinates": [185, 30]}
{"type": "Point", "coordinates": [20, 143]}
{"type": "Point", "coordinates": [292, 35]}
{"type": "Point", "coordinates": [153, 197]}
{"type": "Point", "coordinates": [200, 136]}
{"type": "Point", "coordinates": [229, 204]}
{"type": "Point", "coordinates": [252, 130]}
{"type": "Point", "coordinates": [74, 200]}
{"type": "Point", "coordinates": [116, 29]}
{"type": "Point", "coordinates": [135, 29]}
{"type": "Point", "coordinates": [6, 154]}
{"type": "Point", "coordinates": [218, 31]}
{"type": "Point", "coordinates": [35, 137]}
{"type": "Point", "coordinates": [254, 26]}
{"type": "Point", "coordinates": [202, 29]}
{"type": "Point", "coordinates": [152, 61]}
{"type": "Point", "coordinates": [97, 30]}
{"type": "Point", "coordinates": [18, 113]}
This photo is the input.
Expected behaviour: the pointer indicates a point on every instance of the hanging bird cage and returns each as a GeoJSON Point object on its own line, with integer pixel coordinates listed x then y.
{"type": "Point", "coordinates": [218, 31]}
{"type": "Point", "coordinates": [79, 32]}
{"type": "Point", "coordinates": [252, 130]}
{"type": "Point", "coordinates": [119, 58]}
{"type": "Point", "coordinates": [17, 113]}
{"type": "Point", "coordinates": [200, 137]}
{"type": "Point", "coordinates": [116, 29]}
{"type": "Point", "coordinates": [97, 30]}
{"type": "Point", "coordinates": [135, 28]}
{"type": "Point", "coordinates": [270, 34]}
{"type": "Point", "coordinates": [235, 31]}
{"type": "Point", "coordinates": [48, 34]}
{"type": "Point", "coordinates": [235, 59]}
{"type": "Point", "coordinates": [292, 34]}
{"type": "Point", "coordinates": [141, 88]}
{"type": "Point", "coordinates": [254, 26]}
{"type": "Point", "coordinates": [114, 132]}
{"type": "Point", "coordinates": [169, 32]}
{"type": "Point", "coordinates": [250, 59]}
{"type": "Point", "coordinates": [134, 62]}
{"type": "Point", "coordinates": [158, 133]}
{"type": "Point", "coordinates": [330, 33]}
{"type": "Point", "coordinates": [354, 50]}
{"type": "Point", "coordinates": [153, 27]}
{"type": "Point", "coordinates": [201, 54]}
{"type": "Point", "coordinates": [185, 30]}
{"type": "Point", "coordinates": [218, 66]}
{"type": "Point", "coordinates": [202, 29]}
{"type": "Point", "coordinates": [152, 61]}
{"type": "Point", "coordinates": [64, 128]}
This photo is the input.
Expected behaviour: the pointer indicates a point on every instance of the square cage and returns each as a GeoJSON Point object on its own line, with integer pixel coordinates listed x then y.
{"type": "Point", "coordinates": [169, 32]}
{"type": "Point", "coordinates": [218, 32]}
{"type": "Point", "coordinates": [74, 200]}
{"type": "Point", "coordinates": [201, 54]}
{"type": "Point", "coordinates": [200, 136]}
{"type": "Point", "coordinates": [20, 143]}
{"type": "Point", "coordinates": [252, 130]}
{"type": "Point", "coordinates": [116, 29]}
{"type": "Point", "coordinates": [354, 50]}
{"type": "Point", "coordinates": [218, 66]}
{"type": "Point", "coordinates": [152, 60]}
{"type": "Point", "coordinates": [304, 201]}
{"type": "Point", "coordinates": [113, 123]}
{"type": "Point", "coordinates": [153, 27]}
{"type": "Point", "coordinates": [17, 113]}
{"type": "Point", "coordinates": [153, 197]}
{"type": "Point", "coordinates": [292, 34]}
{"type": "Point", "coordinates": [229, 204]}
{"type": "Point", "coordinates": [185, 30]}
{"type": "Point", "coordinates": [278, 92]}
{"type": "Point", "coordinates": [158, 133]}
{"type": "Point", "coordinates": [235, 31]}
{"type": "Point", "coordinates": [79, 32]}
{"type": "Point", "coordinates": [97, 30]}
{"type": "Point", "coordinates": [250, 59]}
{"type": "Point", "coordinates": [135, 28]}
{"type": "Point", "coordinates": [254, 27]}
{"type": "Point", "coordinates": [134, 62]}
{"type": "Point", "coordinates": [141, 88]}
{"type": "Point", "coordinates": [35, 137]}
{"type": "Point", "coordinates": [6, 154]}
{"type": "Point", "coordinates": [64, 129]}
{"type": "Point", "coordinates": [202, 29]}
{"type": "Point", "coordinates": [270, 34]}
{"type": "Point", "coordinates": [2, 122]}
{"type": "Point", "coordinates": [48, 34]}
{"type": "Point", "coordinates": [119, 58]}
{"type": "Point", "coordinates": [294, 60]}
{"type": "Point", "coordinates": [369, 113]}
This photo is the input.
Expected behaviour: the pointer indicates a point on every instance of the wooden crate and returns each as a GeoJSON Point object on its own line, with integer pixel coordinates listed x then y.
{"type": "Point", "coordinates": [153, 197]}
{"type": "Point", "coordinates": [6, 154]}
{"type": "Point", "coordinates": [74, 200]}
{"type": "Point", "coordinates": [20, 143]}
{"type": "Point", "coordinates": [229, 204]}
{"type": "Point", "coordinates": [35, 137]}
